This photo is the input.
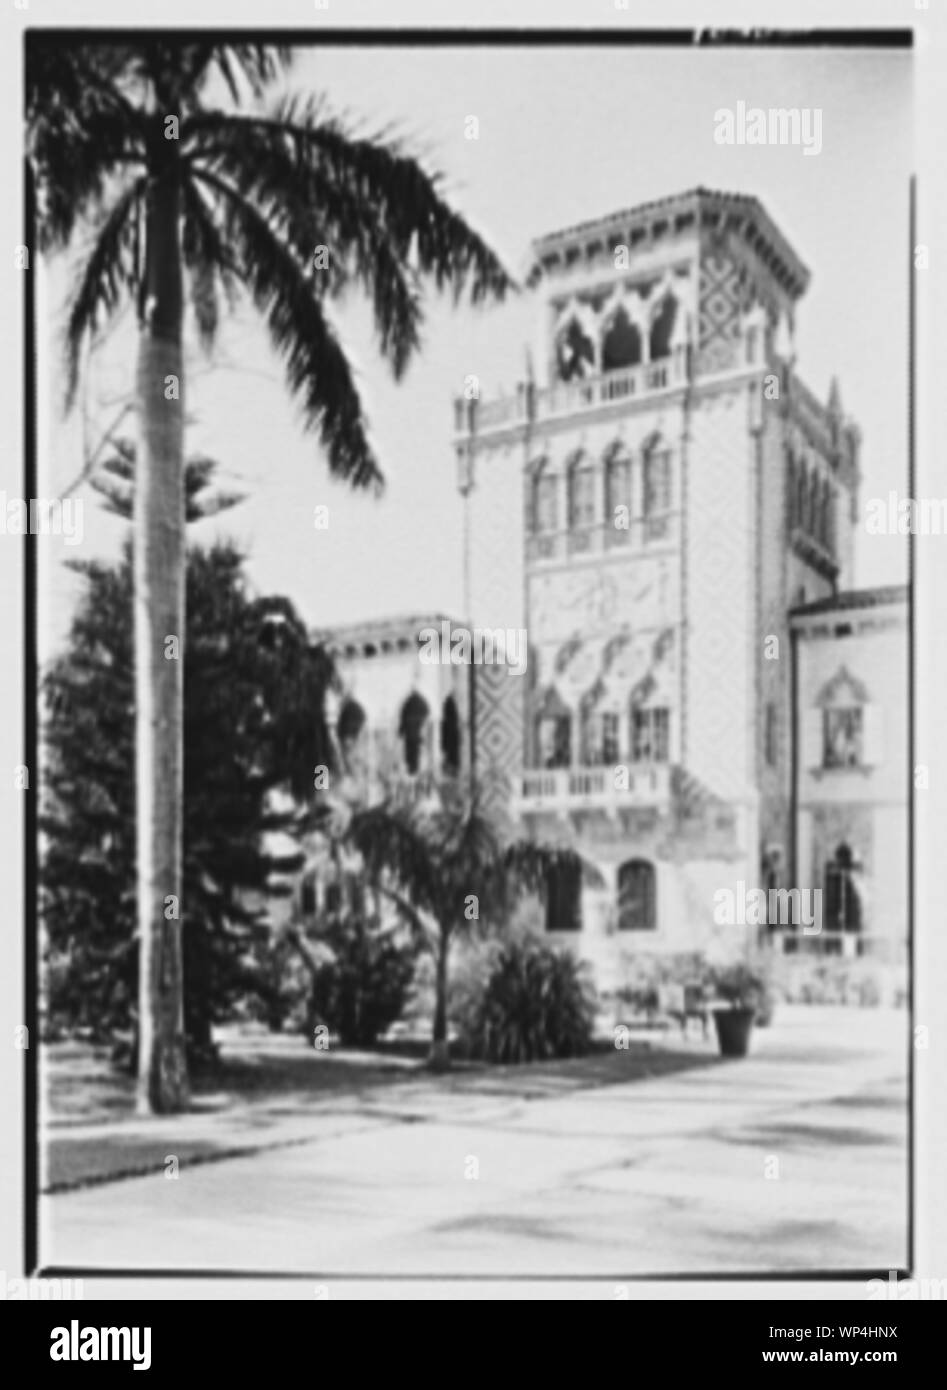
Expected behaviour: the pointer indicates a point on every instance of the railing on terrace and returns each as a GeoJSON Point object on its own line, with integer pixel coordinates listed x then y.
{"type": "Point", "coordinates": [575, 788]}
{"type": "Point", "coordinates": [883, 947]}
{"type": "Point", "coordinates": [566, 397]}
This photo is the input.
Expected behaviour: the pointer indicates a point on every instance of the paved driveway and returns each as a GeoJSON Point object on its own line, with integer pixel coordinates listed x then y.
{"type": "Point", "coordinates": [794, 1159]}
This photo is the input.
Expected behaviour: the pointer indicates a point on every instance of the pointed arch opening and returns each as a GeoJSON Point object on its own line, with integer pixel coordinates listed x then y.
{"type": "Point", "coordinates": [637, 898]}
{"type": "Point", "coordinates": [575, 352]}
{"type": "Point", "coordinates": [622, 344]}
{"type": "Point", "coordinates": [662, 326]}
{"type": "Point", "coordinates": [450, 737]}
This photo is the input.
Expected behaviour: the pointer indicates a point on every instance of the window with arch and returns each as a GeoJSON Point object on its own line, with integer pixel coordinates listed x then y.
{"type": "Point", "coordinates": [600, 738]}
{"type": "Point", "coordinates": [792, 497]}
{"type": "Point", "coordinates": [657, 480]}
{"type": "Point", "coordinates": [802, 492]}
{"type": "Point", "coordinates": [545, 498]}
{"type": "Point", "coordinates": [563, 897]}
{"type": "Point", "coordinates": [662, 326]}
{"type": "Point", "coordinates": [581, 489]}
{"type": "Point", "coordinates": [351, 722]}
{"type": "Point", "coordinates": [450, 736]}
{"type": "Point", "coordinates": [412, 729]}
{"type": "Point", "coordinates": [553, 732]}
{"type": "Point", "coordinates": [812, 510]}
{"type": "Point", "coordinates": [844, 729]}
{"type": "Point", "coordinates": [831, 512]}
{"type": "Point", "coordinates": [843, 909]}
{"type": "Point", "coordinates": [825, 517]}
{"type": "Point", "coordinates": [650, 735]}
{"type": "Point", "coordinates": [350, 728]}
{"type": "Point", "coordinates": [636, 896]}
{"type": "Point", "coordinates": [575, 353]}
{"type": "Point", "coordinates": [621, 342]}
{"type": "Point", "coordinates": [617, 480]}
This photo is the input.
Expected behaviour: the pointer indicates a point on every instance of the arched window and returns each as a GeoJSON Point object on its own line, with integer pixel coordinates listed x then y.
{"type": "Point", "coordinates": [636, 896]}
{"type": "Point", "coordinates": [842, 900]}
{"type": "Point", "coordinates": [825, 514]}
{"type": "Point", "coordinates": [802, 493]}
{"type": "Point", "coordinates": [792, 500]}
{"type": "Point", "coordinates": [450, 736]}
{"type": "Point", "coordinates": [617, 481]}
{"type": "Point", "coordinates": [411, 730]}
{"type": "Point", "coordinates": [553, 732]}
{"type": "Point", "coordinates": [830, 506]}
{"type": "Point", "coordinates": [350, 726]}
{"type": "Point", "coordinates": [662, 326]}
{"type": "Point", "coordinates": [581, 485]}
{"type": "Point", "coordinates": [351, 722]}
{"type": "Point", "coordinates": [575, 352]}
{"type": "Point", "coordinates": [812, 510]}
{"type": "Point", "coordinates": [657, 480]}
{"type": "Point", "coordinates": [650, 735]}
{"type": "Point", "coordinates": [621, 344]}
{"type": "Point", "coordinates": [600, 737]}
{"type": "Point", "coordinates": [545, 498]}
{"type": "Point", "coordinates": [563, 897]}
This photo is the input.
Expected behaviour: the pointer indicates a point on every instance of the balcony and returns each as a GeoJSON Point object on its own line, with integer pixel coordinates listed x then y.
{"type": "Point", "coordinates": [881, 947]}
{"type": "Point", "coordinates": [565, 398]}
{"type": "Point", "coordinates": [561, 790]}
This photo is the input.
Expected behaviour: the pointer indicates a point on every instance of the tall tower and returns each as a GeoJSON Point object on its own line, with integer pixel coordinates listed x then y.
{"type": "Point", "coordinates": [649, 511]}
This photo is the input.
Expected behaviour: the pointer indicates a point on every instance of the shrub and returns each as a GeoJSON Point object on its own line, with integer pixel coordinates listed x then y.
{"type": "Point", "coordinates": [748, 984]}
{"type": "Point", "coordinates": [535, 1003]}
{"type": "Point", "coordinates": [364, 985]}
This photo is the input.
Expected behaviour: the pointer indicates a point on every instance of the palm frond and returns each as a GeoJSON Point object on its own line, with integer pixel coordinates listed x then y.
{"type": "Point", "coordinates": [109, 271]}
{"type": "Point", "coordinates": [393, 844]}
{"type": "Point", "coordinates": [259, 64]}
{"type": "Point", "coordinates": [406, 196]}
{"type": "Point", "coordinates": [81, 133]}
{"type": "Point", "coordinates": [271, 168]}
{"type": "Point", "coordinates": [378, 212]}
{"type": "Point", "coordinates": [208, 258]}
{"type": "Point", "coordinates": [317, 368]}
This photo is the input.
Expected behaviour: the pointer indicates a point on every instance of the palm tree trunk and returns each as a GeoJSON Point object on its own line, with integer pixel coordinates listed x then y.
{"type": "Point", "coordinates": [440, 1050]}
{"type": "Point", "coordinates": [159, 616]}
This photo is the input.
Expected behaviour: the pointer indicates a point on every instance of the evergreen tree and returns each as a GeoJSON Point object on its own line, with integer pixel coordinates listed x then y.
{"type": "Point", "coordinates": [254, 690]}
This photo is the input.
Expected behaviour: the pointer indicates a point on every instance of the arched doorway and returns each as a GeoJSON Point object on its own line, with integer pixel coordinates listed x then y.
{"type": "Point", "coordinates": [843, 904]}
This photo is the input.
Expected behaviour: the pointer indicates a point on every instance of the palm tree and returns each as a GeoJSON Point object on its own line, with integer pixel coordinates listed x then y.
{"type": "Point", "coordinates": [286, 204]}
{"type": "Point", "coordinates": [440, 860]}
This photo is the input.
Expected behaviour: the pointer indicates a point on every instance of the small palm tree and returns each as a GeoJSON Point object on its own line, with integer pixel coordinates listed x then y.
{"type": "Point", "coordinates": [189, 201]}
{"type": "Point", "coordinates": [443, 864]}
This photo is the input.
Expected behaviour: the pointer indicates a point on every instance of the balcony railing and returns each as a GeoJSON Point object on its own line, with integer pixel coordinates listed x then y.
{"type": "Point", "coordinates": [849, 945]}
{"type": "Point", "coordinates": [594, 788]}
{"type": "Point", "coordinates": [567, 397]}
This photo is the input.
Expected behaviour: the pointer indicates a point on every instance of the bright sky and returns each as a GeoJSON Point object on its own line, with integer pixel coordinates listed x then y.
{"type": "Point", "coordinates": [564, 136]}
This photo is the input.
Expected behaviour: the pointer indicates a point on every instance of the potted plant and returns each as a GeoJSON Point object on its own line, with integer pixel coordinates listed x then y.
{"type": "Point", "coordinates": [741, 991]}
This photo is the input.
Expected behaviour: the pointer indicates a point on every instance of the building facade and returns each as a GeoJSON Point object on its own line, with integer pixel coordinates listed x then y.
{"type": "Point", "coordinates": [669, 512]}
{"type": "Point", "coordinates": [853, 777]}
{"type": "Point", "coordinates": [707, 703]}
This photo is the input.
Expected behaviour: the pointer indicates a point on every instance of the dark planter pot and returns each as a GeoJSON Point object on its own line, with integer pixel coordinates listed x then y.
{"type": "Point", "coordinates": [733, 1031]}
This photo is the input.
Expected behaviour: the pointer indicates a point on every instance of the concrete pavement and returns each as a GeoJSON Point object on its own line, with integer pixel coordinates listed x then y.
{"type": "Point", "coordinates": [793, 1159]}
